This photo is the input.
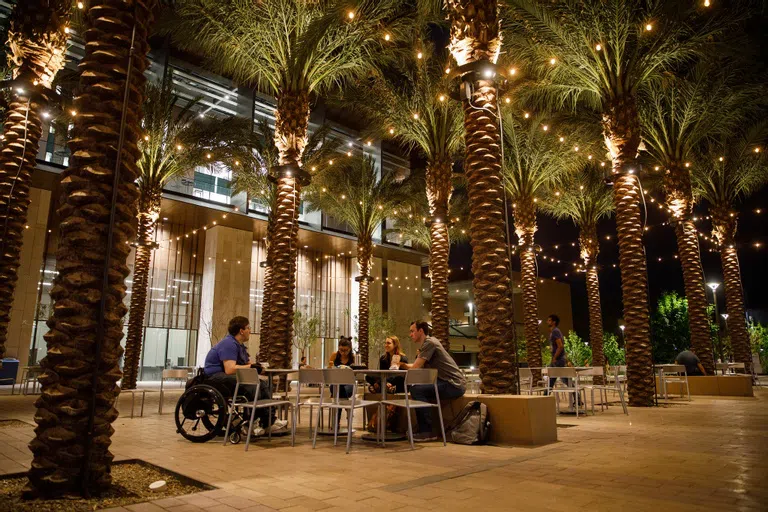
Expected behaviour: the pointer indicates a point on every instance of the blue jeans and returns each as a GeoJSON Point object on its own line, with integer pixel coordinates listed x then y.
{"type": "Point", "coordinates": [426, 393]}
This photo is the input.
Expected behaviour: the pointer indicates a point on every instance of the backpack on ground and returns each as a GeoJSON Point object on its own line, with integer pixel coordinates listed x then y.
{"type": "Point", "coordinates": [471, 426]}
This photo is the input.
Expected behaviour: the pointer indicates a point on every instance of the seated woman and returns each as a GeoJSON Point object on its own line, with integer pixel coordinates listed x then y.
{"type": "Point", "coordinates": [344, 356]}
{"type": "Point", "coordinates": [390, 360]}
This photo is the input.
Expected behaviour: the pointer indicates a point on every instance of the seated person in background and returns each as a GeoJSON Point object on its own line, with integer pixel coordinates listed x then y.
{"type": "Point", "coordinates": [450, 380]}
{"type": "Point", "coordinates": [230, 355]}
{"type": "Point", "coordinates": [343, 357]}
{"type": "Point", "coordinates": [691, 362]}
{"type": "Point", "coordinates": [303, 363]}
{"type": "Point", "coordinates": [390, 360]}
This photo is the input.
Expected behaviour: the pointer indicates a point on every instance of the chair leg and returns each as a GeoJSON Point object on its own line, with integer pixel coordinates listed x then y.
{"type": "Point", "coordinates": [442, 426]}
{"type": "Point", "coordinates": [269, 427]}
{"type": "Point", "coordinates": [250, 428]}
{"type": "Point", "coordinates": [317, 421]}
{"type": "Point", "coordinates": [293, 426]}
{"type": "Point", "coordinates": [143, 397]}
{"type": "Point", "coordinates": [349, 427]}
{"type": "Point", "coordinates": [335, 425]}
{"type": "Point", "coordinates": [382, 425]}
{"type": "Point", "coordinates": [230, 410]}
{"type": "Point", "coordinates": [410, 427]}
{"type": "Point", "coordinates": [160, 406]}
{"type": "Point", "coordinates": [133, 403]}
{"type": "Point", "coordinates": [311, 408]}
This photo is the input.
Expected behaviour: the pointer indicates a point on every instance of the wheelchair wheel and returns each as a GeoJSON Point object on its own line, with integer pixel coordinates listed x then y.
{"type": "Point", "coordinates": [201, 413]}
{"type": "Point", "coordinates": [234, 437]}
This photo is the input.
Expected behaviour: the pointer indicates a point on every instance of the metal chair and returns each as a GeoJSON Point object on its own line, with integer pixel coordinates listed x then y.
{"type": "Point", "coordinates": [250, 377]}
{"type": "Point", "coordinates": [526, 383]}
{"type": "Point", "coordinates": [307, 377]}
{"type": "Point", "coordinates": [413, 377]}
{"type": "Point", "coordinates": [603, 389]}
{"type": "Point", "coordinates": [675, 373]}
{"type": "Point", "coordinates": [170, 374]}
{"type": "Point", "coordinates": [340, 377]}
{"type": "Point", "coordinates": [572, 388]}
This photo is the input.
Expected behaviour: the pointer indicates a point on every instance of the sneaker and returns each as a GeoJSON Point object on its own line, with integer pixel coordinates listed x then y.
{"type": "Point", "coordinates": [424, 437]}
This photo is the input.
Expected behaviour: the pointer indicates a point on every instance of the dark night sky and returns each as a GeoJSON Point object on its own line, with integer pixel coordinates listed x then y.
{"type": "Point", "coordinates": [662, 276]}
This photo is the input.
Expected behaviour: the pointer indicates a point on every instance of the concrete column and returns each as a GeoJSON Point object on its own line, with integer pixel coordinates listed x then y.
{"type": "Point", "coordinates": [404, 298]}
{"type": "Point", "coordinates": [225, 285]}
{"type": "Point", "coordinates": [25, 297]}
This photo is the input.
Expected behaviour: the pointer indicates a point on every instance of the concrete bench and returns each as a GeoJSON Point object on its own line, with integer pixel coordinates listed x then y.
{"type": "Point", "coordinates": [515, 419]}
{"type": "Point", "coordinates": [713, 385]}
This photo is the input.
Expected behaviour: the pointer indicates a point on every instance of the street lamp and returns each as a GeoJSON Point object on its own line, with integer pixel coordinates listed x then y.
{"type": "Point", "coordinates": [622, 327]}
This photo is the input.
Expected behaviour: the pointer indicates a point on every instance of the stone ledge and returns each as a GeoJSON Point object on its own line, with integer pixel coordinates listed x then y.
{"type": "Point", "coordinates": [713, 385]}
{"type": "Point", "coordinates": [515, 419]}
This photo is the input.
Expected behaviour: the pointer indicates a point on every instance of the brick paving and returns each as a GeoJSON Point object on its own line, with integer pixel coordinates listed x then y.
{"type": "Point", "coordinates": [708, 454]}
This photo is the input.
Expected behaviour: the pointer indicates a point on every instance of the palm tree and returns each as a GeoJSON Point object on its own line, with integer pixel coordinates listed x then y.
{"type": "Point", "coordinates": [291, 49]}
{"type": "Point", "coordinates": [412, 225]}
{"type": "Point", "coordinates": [356, 192]}
{"type": "Point", "coordinates": [597, 54]}
{"type": "Point", "coordinates": [36, 44]}
{"type": "Point", "coordinates": [727, 173]}
{"type": "Point", "coordinates": [252, 177]}
{"type": "Point", "coordinates": [584, 199]}
{"type": "Point", "coordinates": [677, 116]}
{"type": "Point", "coordinates": [80, 372]}
{"type": "Point", "coordinates": [420, 116]}
{"type": "Point", "coordinates": [535, 161]}
{"type": "Point", "coordinates": [475, 42]}
{"type": "Point", "coordinates": [174, 143]}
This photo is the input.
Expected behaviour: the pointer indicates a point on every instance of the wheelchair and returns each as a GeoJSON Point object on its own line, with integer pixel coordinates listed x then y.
{"type": "Point", "coordinates": [202, 411]}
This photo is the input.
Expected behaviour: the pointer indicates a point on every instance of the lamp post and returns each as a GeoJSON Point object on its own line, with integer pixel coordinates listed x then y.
{"type": "Point", "coordinates": [714, 287]}
{"type": "Point", "coordinates": [622, 327]}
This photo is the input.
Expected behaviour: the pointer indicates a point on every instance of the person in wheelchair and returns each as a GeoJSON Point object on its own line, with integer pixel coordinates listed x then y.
{"type": "Point", "coordinates": [230, 355]}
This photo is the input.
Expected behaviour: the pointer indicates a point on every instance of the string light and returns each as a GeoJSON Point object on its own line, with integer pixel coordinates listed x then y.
{"type": "Point", "coordinates": [80, 5]}
{"type": "Point", "coordinates": [387, 37]}
{"type": "Point", "coordinates": [598, 47]}
{"type": "Point", "coordinates": [553, 61]}
{"type": "Point", "coordinates": [648, 27]}
{"type": "Point", "coordinates": [512, 71]}
{"type": "Point", "coordinates": [419, 55]}
{"type": "Point", "coordinates": [351, 15]}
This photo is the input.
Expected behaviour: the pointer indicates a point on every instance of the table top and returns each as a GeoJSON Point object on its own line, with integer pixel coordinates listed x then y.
{"type": "Point", "coordinates": [280, 370]}
{"type": "Point", "coordinates": [394, 372]}
{"type": "Point", "coordinates": [667, 365]}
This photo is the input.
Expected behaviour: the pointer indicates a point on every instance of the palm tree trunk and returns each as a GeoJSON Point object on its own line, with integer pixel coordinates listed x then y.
{"type": "Point", "coordinates": [589, 250]}
{"type": "Point", "coordinates": [22, 131]}
{"type": "Point", "coordinates": [364, 260]}
{"type": "Point", "coordinates": [734, 304]}
{"type": "Point", "coordinates": [141, 271]}
{"type": "Point", "coordinates": [475, 37]}
{"type": "Point", "coordinates": [693, 278]}
{"type": "Point", "coordinates": [621, 127]}
{"type": "Point", "coordinates": [266, 297]}
{"type": "Point", "coordinates": [525, 227]}
{"type": "Point", "coordinates": [36, 44]}
{"type": "Point", "coordinates": [440, 246]}
{"type": "Point", "coordinates": [75, 354]}
{"type": "Point", "coordinates": [291, 125]}
{"type": "Point", "coordinates": [634, 288]}
{"type": "Point", "coordinates": [724, 223]}
{"type": "Point", "coordinates": [439, 188]}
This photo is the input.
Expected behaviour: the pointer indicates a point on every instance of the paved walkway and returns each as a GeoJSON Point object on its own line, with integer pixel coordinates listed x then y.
{"type": "Point", "coordinates": [709, 454]}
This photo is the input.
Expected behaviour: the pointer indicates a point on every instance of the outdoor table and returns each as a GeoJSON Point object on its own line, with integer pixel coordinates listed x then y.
{"type": "Point", "coordinates": [383, 374]}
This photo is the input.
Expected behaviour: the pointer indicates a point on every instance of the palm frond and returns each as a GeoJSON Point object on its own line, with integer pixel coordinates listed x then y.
{"type": "Point", "coordinates": [354, 191]}
{"type": "Point", "coordinates": [732, 168]}
{"type": "Point", "coordinates": [584, 197]}
{"type": "Point", "coordinates": [280, 45]}
{"type": "Point", "coordinates": [555, 46]}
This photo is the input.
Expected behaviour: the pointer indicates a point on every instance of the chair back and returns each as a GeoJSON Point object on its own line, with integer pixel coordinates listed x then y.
{"type": "Point", "coordinates": [554, 372]}
{"type": "Point", "coordinates": [175, 374]}
{"type": "Point", "coordinates": [738, 366]}
{"type": "Point", "coordinates": [311, 376]}
{"type": "Point", "coordinates": [421, 376]}
{"type": "Point", "coordinates": [248, 376]}
{"type": "Point", "coordinates": [674, 368]}
{"type": "Point", "coordinates": [595, 370]}
{"type": "Point", "coordinates": [339, 376]}
{"type": "Point", "coordinates": [721, 366]}
{"type": "Point", "coordinates": [526, 374]}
